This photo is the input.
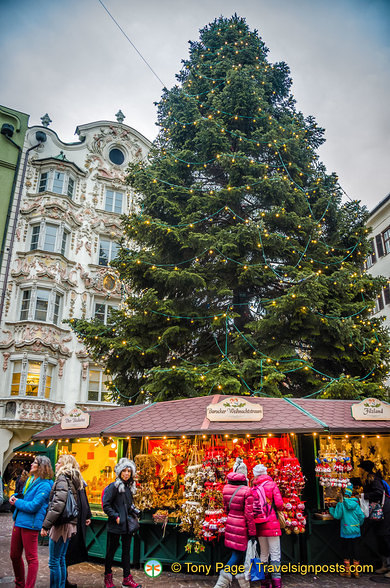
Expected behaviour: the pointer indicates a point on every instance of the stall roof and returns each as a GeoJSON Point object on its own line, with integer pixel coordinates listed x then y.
{"type": "Point", "coordinates": [99, 419]}
{"type": "Point", "coordinates": [188, 416]}
{"type": "Point", "coordinates": [338, 416]}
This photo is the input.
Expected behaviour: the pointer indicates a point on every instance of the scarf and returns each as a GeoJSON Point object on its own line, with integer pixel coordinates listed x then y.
{"type": "Point", "coordinates": [120, 485]}
{"type": "Point", "coordinates": [30, 481]}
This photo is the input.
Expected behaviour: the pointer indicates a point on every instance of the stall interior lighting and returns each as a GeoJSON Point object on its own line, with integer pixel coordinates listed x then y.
{"type": "Point", "coordinates": [315, 434]}
{"type": "Point", "coordinates": [235, 440]}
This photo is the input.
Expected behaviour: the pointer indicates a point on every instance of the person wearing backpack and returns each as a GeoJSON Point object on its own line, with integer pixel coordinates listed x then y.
{"type": "Point", "coordinates": [240, 525]}
{"type": "Point", "coordinates": [266, 500]}
{"type": "Point", "coordinates": [29, 512]}
{"type": "Point", "coordinates": [351, 516]}
{"type": "Point", "coordinates": [77, 550]}
{"type": "Point", "coordinates": [375, 492]}
{"type": "Point", "coordinates": [57, 524]}
{"type": "Point", "coordinates": [118, 504]}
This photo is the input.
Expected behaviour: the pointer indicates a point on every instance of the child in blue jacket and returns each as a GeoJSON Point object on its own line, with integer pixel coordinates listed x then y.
{"type": "Point", "coordinates": [351, 517]}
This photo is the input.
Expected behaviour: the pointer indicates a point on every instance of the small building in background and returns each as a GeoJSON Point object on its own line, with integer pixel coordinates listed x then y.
{"type": "Point", "coordinates": [378, 261]}
{"type": "Point", "coordinates": [67, 207]}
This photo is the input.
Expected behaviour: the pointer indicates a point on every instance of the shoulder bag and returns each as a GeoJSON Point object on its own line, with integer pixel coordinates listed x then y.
{"type": "Point", "coordinates": [376, 510]}
{"type": "Point", "coordinates": [71, 510]}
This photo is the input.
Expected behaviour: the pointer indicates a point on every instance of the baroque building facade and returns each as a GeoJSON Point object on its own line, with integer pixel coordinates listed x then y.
{"type": "Point", "coordinates": [68, 225]}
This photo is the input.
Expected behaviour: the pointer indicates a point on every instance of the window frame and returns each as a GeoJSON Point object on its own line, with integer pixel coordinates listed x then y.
{"type": "Point", "coordinates": [47, 179]}
{"type": "Point", "coordinates": [101, 391]}
{"type": "Point", "coordinates": [110, 257]}
{"type": "Point", "coordinates": [40, 237]}
{"type": "Point", "coordinates": [28, 304]}
{"type": "Point", "coordinates": [107, 307]}
{"type": "Point", "coordinates": [386, 240]}
{"type": "Point", "coordinates": [46, 375]}
{"type": "Point", "coordinates": [371, 257]}
{"type": "Point", "coordinates": [115, 194]}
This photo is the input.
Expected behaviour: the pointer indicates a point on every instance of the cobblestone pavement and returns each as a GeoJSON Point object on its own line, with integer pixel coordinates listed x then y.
{"type": "Point", "coordinates": [90, 574]}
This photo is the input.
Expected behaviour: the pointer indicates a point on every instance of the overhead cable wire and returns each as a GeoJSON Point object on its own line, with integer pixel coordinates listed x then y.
{"type": "Point", "coordinates": [131, 43]}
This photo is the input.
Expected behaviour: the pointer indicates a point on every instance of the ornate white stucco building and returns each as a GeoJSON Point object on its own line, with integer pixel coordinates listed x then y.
{"type": "Point", "coordinates": [67, 212]}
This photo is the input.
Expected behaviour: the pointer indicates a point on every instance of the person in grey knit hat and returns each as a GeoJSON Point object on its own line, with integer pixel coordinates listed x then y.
{"type": "Point", "coordinates": [122, 464]}
{"type": "Point", "coordinates": [118, 504]}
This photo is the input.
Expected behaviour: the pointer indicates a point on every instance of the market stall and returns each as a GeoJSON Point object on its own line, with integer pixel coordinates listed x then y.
{"type": "Point", "coordinates": [183, 451]}
{"type": "Point", "coordinates": [355, 431]}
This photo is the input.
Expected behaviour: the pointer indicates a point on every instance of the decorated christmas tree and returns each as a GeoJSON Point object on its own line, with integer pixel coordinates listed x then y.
{"type": "Point", "coordinates": [242, 270]}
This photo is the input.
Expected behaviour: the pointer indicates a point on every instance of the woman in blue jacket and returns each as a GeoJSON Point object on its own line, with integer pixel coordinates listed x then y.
{"type": "Point", "coordinates": [351, 517]}
{"type": "Point", "coordinates": [28, 517]}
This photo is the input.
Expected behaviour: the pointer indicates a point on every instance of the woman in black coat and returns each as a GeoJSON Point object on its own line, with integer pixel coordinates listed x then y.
{"type": "Point", "coordinates": [374, 491]}
{"type": "Point", "coordinates": [77, 551]}
{"type": "Point", "coordinates": [122, 523]}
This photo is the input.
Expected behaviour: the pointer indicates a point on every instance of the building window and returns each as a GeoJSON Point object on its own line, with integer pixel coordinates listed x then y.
{"type": "Point", "coordinates": [379, 304]}
{"type": "Point", "coordinates": [57, 182]}
{"type": "Point", "coordinates": [97, 391]}
{"type": "Point", "coordinates": [386, 294]}
{"type": "Point", "coordinates": [116, 156]}
{"type": "Point", "coordinates": [31, 378]}
{"type": "Point", "coordinates": [49, 237]}
{"type": "Point", "coordinates": [114, 202]}
{"type": "Point", "coordinates": [371, 258]}
{"type": "Point", "coordinates": [102, 311]}
{"type": "Point", "coordinates": [40, 304]}
{"type": "Point", "coordinates": [107, 251]}
{"type": "Point", "coordinates": [386, 240]}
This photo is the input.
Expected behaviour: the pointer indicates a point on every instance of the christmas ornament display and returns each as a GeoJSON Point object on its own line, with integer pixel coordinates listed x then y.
{"type": "Point", "coordinates": [332, 469]}
{"type": "Point", "coordinates": [290, 480]}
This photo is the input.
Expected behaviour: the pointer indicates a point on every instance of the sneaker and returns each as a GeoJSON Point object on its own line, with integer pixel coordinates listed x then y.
{"type": "Point", "coordinates": [108, 581]}
{"type": "Point", "coordinates": [129, 582]}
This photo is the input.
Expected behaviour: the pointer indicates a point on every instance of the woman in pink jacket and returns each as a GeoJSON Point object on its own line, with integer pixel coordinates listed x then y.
{"type": "Point", "coordinates": [240, 524]}
{"type": "Point", "coordinates": [269, 531]}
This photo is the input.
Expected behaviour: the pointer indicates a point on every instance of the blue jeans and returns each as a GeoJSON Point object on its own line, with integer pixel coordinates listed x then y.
{"type": "Point", "coordinates": [57, 565]}
{"type": "Point", "coordinates": [237, 558]}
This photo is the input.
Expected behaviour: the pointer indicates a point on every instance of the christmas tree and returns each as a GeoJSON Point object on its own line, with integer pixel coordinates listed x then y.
{"type": "Point", "coordinates": [242, 271]}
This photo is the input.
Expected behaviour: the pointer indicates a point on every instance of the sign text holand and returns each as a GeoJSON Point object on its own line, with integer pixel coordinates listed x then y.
{"type": "Point", "coordinates": [371, 409]}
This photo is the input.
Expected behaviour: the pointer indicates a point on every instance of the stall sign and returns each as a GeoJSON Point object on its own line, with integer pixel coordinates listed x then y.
{"type": "Point", "coordinates": [371, 409]}
{"type": "Point", "coordinates": [75, 419]}
{"type": "Point", "coordinates": [234, 409]}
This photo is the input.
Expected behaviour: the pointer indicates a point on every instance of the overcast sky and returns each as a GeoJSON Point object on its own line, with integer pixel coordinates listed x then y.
{"type": "Point", "coordinates": [67, 58]}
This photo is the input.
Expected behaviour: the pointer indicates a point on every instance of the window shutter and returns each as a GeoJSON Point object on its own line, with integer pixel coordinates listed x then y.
{"type": "Point", "coordinates": [386, 291]}
{"type": "Point", "coordinates": [380, 301]}
{"type": "Point", "coordinates": [379, 245]}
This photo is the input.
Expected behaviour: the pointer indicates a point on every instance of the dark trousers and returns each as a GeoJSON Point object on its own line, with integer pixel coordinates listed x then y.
{"type": "Point", "coordinates": [350, 547]}
{"type": "Point", "coordinates": [112, 546]}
